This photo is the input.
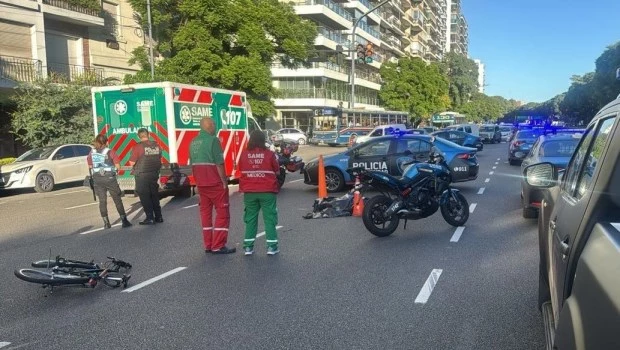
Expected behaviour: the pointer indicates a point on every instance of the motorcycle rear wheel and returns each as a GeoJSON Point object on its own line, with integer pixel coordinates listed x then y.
{"type": "Point", "coordinates": [455, 212]}
{"type": "Point", "coordinates": [373, 217]}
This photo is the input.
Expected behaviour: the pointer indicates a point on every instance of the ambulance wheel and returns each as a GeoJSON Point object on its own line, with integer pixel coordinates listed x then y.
{"type": "Point", "coordinates": [44, 182]}
{"type": "Point", "coordinates": [334, 180]}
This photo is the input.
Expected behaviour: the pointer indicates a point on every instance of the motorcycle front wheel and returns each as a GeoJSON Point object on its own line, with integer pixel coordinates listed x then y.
{"type": "Point", "coordinates": [455, 212]}
{"type": "Point", "coordinates": [373, 217]}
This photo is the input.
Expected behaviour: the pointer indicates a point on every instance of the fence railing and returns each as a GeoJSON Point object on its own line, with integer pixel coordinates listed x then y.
{"type": "Point", "coordinates": [61, 72]}
{"type": "Point", "coordinates": [330, 94]}
{"type": "Point", "coordinates": [19, 69]}
{"type": "Point", "coordinates": [72, 7]}
{"type": "Point", "coordinates": [373, 77]}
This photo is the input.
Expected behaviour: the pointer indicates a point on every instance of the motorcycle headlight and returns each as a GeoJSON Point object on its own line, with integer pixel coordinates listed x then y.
{"type": "Point", "coordinates": [23, 170]}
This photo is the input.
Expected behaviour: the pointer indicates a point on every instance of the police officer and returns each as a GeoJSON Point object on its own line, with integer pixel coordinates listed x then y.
{"type": "Point", "coordinates": [259, 184]}
{"type": "Point", "coordinates": [207, 161]}
{"type": "Point", "coordinates": [104, 164]}
{"type": "Point", "coordinates": [146, 161]}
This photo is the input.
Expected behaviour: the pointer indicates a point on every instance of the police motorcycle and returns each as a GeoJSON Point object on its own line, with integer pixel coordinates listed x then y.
{"type": "Point", "coordinates": [423, 189]}
{"type": "Point", "coordinates": [287, 161]}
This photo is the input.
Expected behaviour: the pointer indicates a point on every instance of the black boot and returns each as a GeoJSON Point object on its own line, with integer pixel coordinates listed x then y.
{"type": "Point", "coordinates": [125, 222]}
{"type": "Point", "coordinates": [106, 222]}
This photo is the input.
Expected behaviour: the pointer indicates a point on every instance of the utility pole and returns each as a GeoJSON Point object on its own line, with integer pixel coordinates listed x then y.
{"type": "Point", "coordinates": [353, 51]}
{"type": "Point", "coordinates": [148, 12]}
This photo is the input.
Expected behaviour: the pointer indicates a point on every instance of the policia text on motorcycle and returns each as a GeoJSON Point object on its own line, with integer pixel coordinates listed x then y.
{"type": "Point", "coordinates": [146, 161]}
{"type": "Point", "coordinates": [104, 164]}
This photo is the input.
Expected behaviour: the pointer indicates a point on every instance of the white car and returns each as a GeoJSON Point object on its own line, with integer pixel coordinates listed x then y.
{"type": "Point", "coordinates": [291, 134]}
{"type": "Point", "coordinates": [42, 168]}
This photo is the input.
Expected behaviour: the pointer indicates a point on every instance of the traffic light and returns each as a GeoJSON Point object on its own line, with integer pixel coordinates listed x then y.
{"type": "Point", "coordinates": [360, 53]}
{"type": "Point", "coordinates": [370, 50]}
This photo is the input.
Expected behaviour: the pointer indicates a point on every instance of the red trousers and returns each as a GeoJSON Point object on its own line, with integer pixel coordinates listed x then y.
{"type": "Point", "coordinates": [214, 234]}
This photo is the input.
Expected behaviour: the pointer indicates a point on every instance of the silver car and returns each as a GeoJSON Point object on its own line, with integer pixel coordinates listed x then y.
{"type": "Point", "coordinates": [291, 134]}
{"type": "Point", "coordinates": [42, 168]}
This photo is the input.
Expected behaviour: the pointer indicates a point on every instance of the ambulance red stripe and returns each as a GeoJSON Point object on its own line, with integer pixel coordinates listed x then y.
{"type": "Point", "coordinates": [187, 95]}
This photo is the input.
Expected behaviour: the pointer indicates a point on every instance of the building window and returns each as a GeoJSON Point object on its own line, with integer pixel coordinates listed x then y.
{"type": "Point", "coordinates": [112, 17]}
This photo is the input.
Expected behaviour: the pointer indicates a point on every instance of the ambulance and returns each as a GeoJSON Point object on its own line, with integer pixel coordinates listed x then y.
{"type": "Point", "coordinates": [172, 113]}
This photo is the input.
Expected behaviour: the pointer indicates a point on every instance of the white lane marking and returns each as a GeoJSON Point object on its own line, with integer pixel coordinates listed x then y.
{"type": "Point", "coordinates": [616, 225]}
{"type": "Point", "coordinates": [487, 180]}
{"type": "Point", "coordinates": [62, 194]}
{"type": "Point", "coordinates": [115, 225]}
{"type": "Point", "coordinates": [497, 158]}
{"type": "Point", "coordinates": [190, 206]}
{"type": "Point", "coordinates": [263, 233]}
{"type": "Point", "coordinates": [83, 205]}
{"type": "Point", "coordinates": [491, 172]}
{"type": "Point", "coordinates": [496, 163]}
{"type": "Point", "coordinates": [296, 181]}
{"type": "Point", "coordinates": [472, 207]}
{"type": "Point", "coordinates": [4, 343]}
{"type": "Point", "coordinates": [428, 286]}
{"type": "Point", "coordinates": [494, 167]}
{"type": "Point", "coordinates": [457, 234]}
{"type": "Point", "coordinates": [481, 190]}
{"type": "Point", "coordinates": [153, 280]}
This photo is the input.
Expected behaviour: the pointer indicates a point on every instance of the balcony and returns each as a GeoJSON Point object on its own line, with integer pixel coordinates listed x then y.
{"type": "Point", "coordinates": [329, 70]}
{"type": "Point", "coordinates": [18, 69]}
{"type": "Point", "coordinates": [67, 11]}
{"type": "Point", "coordinates": [363, 6]}
{"type": "Point", "coordinates": [309, 97]}
{"type": "Point", "coordinates": [324, 11]}
{"type": "Point", "coordinates": [64, 73]}
{"type": "Point", "coordinates": [329, 39]}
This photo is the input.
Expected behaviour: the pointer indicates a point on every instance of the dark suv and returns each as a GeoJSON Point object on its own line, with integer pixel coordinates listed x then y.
{"type": "Point", "coordinates": [579, 239]}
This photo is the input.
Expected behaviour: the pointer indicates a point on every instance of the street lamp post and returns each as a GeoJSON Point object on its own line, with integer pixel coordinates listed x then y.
{"type": "Point", "coordinates": [148, 12]}
{"type": "Point", "coordinates": [355, 23]}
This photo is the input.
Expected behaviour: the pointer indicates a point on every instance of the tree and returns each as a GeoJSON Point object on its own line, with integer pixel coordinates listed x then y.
{"type": "Point", "coordinates": [463, 75]}
{"type": "Point", "coordinates": [412, 85]}
{"type": "Point", "coordinates": [485, 108]}
{"type": "Point", "coordinates": [48, 113]}
{"type": "Point", "coordinates": [226, 44]}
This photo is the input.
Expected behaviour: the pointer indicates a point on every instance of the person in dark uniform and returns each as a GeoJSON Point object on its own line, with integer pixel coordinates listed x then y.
{"type": "Point", "coordinates": [146, 161]}
{"type": "Point", "coordinates": [104, 164]}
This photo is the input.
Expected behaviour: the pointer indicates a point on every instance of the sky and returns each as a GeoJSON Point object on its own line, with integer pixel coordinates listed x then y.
{"type": "Point", "coordinates": [531, 48]}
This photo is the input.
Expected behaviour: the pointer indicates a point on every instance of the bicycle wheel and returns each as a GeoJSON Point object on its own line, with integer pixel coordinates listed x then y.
{"type": "Point", "coordinates": [64, 263]}
{"type": "Point", "coordinates": [48, 278]}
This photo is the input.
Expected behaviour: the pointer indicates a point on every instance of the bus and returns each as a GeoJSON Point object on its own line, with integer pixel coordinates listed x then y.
{"type": "Point", "coordinates": [529, 120]}
{"type": "Point", "coordinates": [327, 123]}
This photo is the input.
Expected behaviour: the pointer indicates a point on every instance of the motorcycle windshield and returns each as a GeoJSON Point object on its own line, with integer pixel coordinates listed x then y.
{"type": "Point", "coordinates": [411, 171]}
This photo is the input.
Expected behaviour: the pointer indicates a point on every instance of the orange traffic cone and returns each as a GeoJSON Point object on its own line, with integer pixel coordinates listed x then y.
{"type": "Point", "coordinates": [322, 183]}
{"type": "Point", "coordinates": [358, 201]}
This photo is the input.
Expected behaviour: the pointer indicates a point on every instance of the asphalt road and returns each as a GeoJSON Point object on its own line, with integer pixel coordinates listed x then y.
{"type": "Point", "coordinates": [333, 286]}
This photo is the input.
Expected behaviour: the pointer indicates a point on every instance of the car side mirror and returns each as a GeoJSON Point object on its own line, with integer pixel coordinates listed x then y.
{"type": "Point", "coordinates": [541, 175]}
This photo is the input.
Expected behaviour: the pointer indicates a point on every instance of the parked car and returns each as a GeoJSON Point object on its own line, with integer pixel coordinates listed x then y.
{"type": "Point", "coordinates": [468, 128]}
{"type": "Point", "coordinates": [389, 153]}
{"type": "Point", "coordinates": [381, 130]}
{"type": "Point", "coordinates": [291, 134]}
{"type": "Point", "coordinates": [555, 149]}
{"type": "Point", "coordinates": [490, 133]}
{"type": "Point", "coordinates": [342, 138]}
{"type": "Point", "coordinates": [579, 236]}
{"type": "Point", "coordinates": [460, 138]}
{"type": "Point", "coordinates": [43, 168]}
{"type": "Point", "coordinates": [506, 132]}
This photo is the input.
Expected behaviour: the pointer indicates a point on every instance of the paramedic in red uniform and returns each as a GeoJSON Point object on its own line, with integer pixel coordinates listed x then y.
{"type": "Point", "coordinates": [207, 161]}
{"type": "Point", "coordinates": [146, 161]}
{"type": "Point", "coordinates": [259, 185]}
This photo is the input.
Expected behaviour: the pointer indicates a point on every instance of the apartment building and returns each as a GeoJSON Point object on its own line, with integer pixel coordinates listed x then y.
{"type": "Point", "coordinates": [399, 28]}
{"type": "Point", "coordinates": [481, 76]}
{"type": "Point", "coordinates": [457, 31]}
{"type": "Point", "coordinates": [39, 38]}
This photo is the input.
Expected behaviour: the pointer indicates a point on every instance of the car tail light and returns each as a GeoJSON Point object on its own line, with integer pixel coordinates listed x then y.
{"type": "Point", "coordinates": [518, 143]}
{"type": "Point", "coordinates": [464, 155]}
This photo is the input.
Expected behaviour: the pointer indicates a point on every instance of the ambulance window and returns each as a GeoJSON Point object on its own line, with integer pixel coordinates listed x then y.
{"type": "Point", "coordinates": [375, 148]}
{"type": "Point", "coordinates": [252, 125]}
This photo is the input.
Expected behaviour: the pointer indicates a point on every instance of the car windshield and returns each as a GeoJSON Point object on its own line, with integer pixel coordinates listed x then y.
{"type": "Point", "coordinates": [36, 154]}
{"type": "Point", "coordinates": [488, 128]}
{"type": "Point", "coordinates": [558, 148]}
{"type": "Point", "coordinates": [505, 128]}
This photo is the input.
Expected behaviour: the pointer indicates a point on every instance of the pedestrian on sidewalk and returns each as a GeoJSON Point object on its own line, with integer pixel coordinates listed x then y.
{"type": "Point", "coordinates": [259, 167]}
{"type": "Point", "coordinates": [146, 161]}
{"type": "Point", "coordinates": [207, 161]}
{"type": "Point", "coordinates": [104, 165]}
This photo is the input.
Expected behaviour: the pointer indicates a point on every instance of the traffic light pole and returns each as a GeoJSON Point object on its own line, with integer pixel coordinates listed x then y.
{"type": "Point", "coordinates": [353, 51]}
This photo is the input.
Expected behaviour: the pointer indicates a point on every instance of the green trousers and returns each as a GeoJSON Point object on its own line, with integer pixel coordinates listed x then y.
{"type": "Point", "coordinates": [253, 203]}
